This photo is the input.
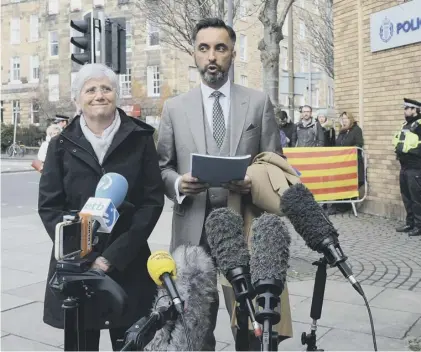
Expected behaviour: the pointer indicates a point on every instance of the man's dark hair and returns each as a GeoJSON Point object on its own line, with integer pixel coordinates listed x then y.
{"type": "Point", "coordinates": [213, 23]}
{"type": "Point", "coordinates": [307, 106]}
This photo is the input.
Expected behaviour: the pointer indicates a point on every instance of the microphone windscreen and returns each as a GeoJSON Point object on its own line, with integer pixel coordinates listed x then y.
{"type": "Point", "coordinates": [225, 235]}
{"type": "Point", "coordinates": [269, 249]}
{"type": "Point", "coordinates": [112, 186]}
{"type": "Point", "coordinates": [197, 285]}
{"type": "Point", "coordinates": [307, 217]}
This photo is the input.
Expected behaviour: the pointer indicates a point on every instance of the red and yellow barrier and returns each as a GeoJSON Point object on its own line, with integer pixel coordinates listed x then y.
{"type": "Point", "coordinates": [330, 173]}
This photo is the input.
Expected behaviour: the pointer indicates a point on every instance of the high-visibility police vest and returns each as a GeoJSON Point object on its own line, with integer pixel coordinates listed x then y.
{"type": "Point", "coordinates": [405, 139]}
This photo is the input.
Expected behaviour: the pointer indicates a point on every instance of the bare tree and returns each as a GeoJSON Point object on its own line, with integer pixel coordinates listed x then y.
{"type": "Point", "coordinates": [176, 19]}
{"type": "Point", "coordinates": [269, 45]}
{"type": "Point", "coordinates": [319, 35]}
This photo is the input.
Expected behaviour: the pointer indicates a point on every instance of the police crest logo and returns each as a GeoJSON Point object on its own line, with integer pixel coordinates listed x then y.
{"type": "Point", "coordinates": [386, 30]}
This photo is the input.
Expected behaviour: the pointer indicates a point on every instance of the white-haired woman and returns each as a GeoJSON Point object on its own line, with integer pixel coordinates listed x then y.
{"type": "Point", "coordinates": [102, 139]}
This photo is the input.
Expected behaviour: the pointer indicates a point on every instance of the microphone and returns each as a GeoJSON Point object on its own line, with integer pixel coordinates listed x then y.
{"type": "Point", "coordinates": [197, 284]}
{"type": "Point", "coordinates": [268, 265]}
{"type": "Point", "coordinates": [224, 231]}
{"type": "Point", "coordinates": [318, 232]}
{"type": "Point", "coordinates": [109, 195]}
{"type": "Point", "coordinates": [162, 269]}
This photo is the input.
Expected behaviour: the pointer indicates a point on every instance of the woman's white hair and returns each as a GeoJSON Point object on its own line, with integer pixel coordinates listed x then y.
{"type": "Point", "coordinates": [90, 71]}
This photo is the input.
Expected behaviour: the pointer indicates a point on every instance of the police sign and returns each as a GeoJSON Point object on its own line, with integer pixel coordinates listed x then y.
{"type": "Point", "coordinates": [397, 26]}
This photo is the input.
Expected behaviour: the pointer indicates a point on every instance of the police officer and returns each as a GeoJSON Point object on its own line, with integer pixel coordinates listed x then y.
{"type": "Point", "coordinates": [61, 120]}
{"type": "Point", "coordinates": [407, 144]}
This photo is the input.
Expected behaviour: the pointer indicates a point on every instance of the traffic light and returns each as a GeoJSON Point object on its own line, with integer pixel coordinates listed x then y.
{"type": "Point", "coordinates": [115, 44]}
{"type": "Point", "coordinates": [84, 42]}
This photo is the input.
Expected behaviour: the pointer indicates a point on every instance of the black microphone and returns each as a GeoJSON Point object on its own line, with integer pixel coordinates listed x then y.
{"type": "Point", "coordinates": [225, 234]}
{"type": "Point", "coordinates": [268, 265]}
{"type": "Point", "coordinates": [197, 286]}
{"type": "Point", "coordinates": [318, 232]}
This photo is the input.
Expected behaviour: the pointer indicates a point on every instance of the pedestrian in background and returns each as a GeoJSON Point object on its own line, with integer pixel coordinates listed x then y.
{"type": "Point", "coordinates": [327, 126]}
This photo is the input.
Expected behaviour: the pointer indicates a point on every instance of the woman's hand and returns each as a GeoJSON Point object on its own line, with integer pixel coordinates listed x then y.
{"type": "Point", "coordinates": [102, 264]}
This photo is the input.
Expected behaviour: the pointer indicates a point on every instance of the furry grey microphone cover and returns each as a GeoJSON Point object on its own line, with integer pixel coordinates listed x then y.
{"type": "Point", "coordinates": [197, 286]}
{"type": "Point", "coordinates": [225, 234]}
{"type": "Point", "coordinates": [307, 217]}
{"type": "Point", "coordinates": [269, 249]}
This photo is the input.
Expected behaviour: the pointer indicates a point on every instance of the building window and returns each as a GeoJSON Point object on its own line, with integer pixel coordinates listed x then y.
{"type": "Point", "coordinates": [302, 30]}
{"type": "Point", "coordinates": [15, 69]}
{"type": "Point", "coordinates": [72, 77]}
{"type": "Point", "coordinates": [53, 44]}
{"type": "Point", "coordinates": [315, 99]}
{"type": "Point", "coordinates": [1, 111]}
{"type": "Point", "coordinates": [154, 83]}
{"type": "Point", "coordinates": [53, 87]}
{"type": "Point", "coordinates": [303, 62]}
{"type": "Point", "coordinates": [15, 30]}
{"type": "Point", "coordinates": [243, 47]}
{"type": "Point", "coordinates": [53, 7]}
{"type": "Point", "coordinates": [244, 81]}
{"type": "Point", "coordinates": [35, 111]}
{"type": "Point", "coordinates": [126, 83]}
{"type": "Point", "coordinates": [34, 28]}
{"type": "Point", "coordinates": [128, 36]}
{"type": "Point", "coordinates": [16, 111]}
{"type": "Point", "coordinates": [34, 64]}
{"type": "Point", "coordinates": [243, 8]}
{"type": "Point", "coordinates": [153, 34]}
{"type": "Point", "coordinates": [192, 74]}
{"type": "Point", "coordinates": [284, 58]}
{"type": "Point", "coordinates": [284, 99]}
{"type": "Point", "coordinates": [75, 5]}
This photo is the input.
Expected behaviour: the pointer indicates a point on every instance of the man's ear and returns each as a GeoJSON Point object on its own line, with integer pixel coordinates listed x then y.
{"type": "Point", "coordinates": [234, 54]}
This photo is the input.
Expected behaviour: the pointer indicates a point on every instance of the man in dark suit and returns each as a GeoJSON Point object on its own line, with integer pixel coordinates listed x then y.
{"type": "Point", "coordinates": [216, 118]}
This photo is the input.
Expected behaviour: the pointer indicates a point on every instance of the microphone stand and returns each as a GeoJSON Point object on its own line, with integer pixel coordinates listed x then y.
{"type": "Point", "coordinates": [268, 292]}
{"type": "Point", "coordinates": [243, 289]}
{"type": "Point", "coordinates": [316, 305]}
{"type": "Point", "coordinates": [143, 331]}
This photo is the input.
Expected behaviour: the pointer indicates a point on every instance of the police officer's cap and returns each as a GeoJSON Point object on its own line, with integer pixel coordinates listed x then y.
{"type": "Point", "coordinates": [59, 118]}
{"type": "Point", "coordinates": [410, 103]}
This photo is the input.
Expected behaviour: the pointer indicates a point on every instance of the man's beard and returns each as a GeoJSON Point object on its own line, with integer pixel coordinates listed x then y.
{"type": "Point", "coordinates": [212, 78]}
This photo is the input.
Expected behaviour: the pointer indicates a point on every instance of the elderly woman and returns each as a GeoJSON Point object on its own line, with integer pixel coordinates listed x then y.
{"type": "Point", "coordinates": [102, 139]}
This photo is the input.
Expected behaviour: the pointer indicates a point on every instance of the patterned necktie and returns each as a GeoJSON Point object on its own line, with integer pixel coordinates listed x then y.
{"type": "Point", "coordinates": [218, 120]}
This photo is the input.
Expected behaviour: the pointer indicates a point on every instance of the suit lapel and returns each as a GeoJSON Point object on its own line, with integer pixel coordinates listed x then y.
{"type": "Point", "coordinates": [194, 111]}
{"type": "Point", "coordinates": [238, 112]}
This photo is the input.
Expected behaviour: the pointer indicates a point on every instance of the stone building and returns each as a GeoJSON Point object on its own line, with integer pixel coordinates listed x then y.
{"type": "Point", "coordinates": [37, 70]}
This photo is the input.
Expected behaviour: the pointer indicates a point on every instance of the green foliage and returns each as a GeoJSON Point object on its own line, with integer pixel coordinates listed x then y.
{"type": "Point", "coordinates": [30, 136]}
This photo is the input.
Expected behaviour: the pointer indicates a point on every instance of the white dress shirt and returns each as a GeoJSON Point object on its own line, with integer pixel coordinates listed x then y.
{"type": "Point", "coordinates": [208, 102]}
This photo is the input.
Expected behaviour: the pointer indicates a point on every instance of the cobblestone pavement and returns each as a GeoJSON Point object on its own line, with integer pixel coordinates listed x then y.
{"type": "Point", "coordinates": [378, 255]}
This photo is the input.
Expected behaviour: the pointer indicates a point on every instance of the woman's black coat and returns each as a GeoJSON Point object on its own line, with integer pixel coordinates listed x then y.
{"type": "Point", "coordinates": [70, 176]}
{"type": "Point", "coordinates": [353, 137]}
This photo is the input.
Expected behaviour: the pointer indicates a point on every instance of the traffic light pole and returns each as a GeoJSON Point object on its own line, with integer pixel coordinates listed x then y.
{"type": "Point", "coordinates": [101, 17]}
{"type": "Point", "coordinates": [93, 49]}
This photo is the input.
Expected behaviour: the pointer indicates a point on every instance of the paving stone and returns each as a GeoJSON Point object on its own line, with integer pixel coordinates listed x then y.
{"type": "Point", "coordinates": [33, 292]}
{"type": "Point", "coordinates": [393, 324]}
{"type": "Point", "coordinates": [18, 343]}
{"type": "Point", "coordinates": [340, 340]}
{"type": "Point", "coordinates": [400, 300]}
{"type": "Point", "coordinates": [26, 322]}
{"type": "Point", "coordinates": [10, 301]}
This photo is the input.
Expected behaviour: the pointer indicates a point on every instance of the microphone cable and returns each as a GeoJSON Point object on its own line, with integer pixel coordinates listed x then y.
{"type": "Point", "coordinates": [183, 320]}
{"type": "Point", "coordinates": [373, 332]}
